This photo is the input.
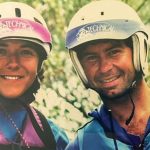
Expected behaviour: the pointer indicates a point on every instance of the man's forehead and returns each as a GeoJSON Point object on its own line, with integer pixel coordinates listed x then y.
{"type": "Point", "coordinates": [90, 44]}
{"type": "Point", "coordinates": [105, 41]}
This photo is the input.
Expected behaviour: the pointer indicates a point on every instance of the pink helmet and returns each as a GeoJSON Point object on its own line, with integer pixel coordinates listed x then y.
{"type": "Point", "coordinates": [20, 21]}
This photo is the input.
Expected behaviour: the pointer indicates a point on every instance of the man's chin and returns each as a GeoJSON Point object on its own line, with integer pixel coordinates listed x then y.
{"type": "Point", "coordinates": [113, 95]}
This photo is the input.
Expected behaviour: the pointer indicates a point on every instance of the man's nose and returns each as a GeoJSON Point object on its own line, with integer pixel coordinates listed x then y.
{"type": "Point", "coordinates": [105, 65]}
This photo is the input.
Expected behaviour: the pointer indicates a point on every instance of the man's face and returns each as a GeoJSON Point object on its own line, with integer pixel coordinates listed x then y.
{"type": "Point", "coordinates": [108, 67]}
{"type": "Point", "coordinates": [18, 67]}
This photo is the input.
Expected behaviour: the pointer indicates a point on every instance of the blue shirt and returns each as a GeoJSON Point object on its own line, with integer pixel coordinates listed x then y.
{"type": "Point", "coordinates": [105, 133]}
{"type": "Point", "coordinates": [8, 133]}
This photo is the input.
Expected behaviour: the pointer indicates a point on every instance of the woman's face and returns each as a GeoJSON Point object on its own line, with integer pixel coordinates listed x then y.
{"type": "Point", "coordinates": [18, 67]}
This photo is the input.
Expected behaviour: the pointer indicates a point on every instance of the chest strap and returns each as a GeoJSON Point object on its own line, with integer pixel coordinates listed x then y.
{"type": "Point", "coordinates": [45, 134]}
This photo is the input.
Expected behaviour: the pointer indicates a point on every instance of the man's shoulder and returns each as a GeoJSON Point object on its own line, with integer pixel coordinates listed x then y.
{"type": "Point", "coordinates": [91, 126]}
{"type": "Point", "coordinates": [73, 145]}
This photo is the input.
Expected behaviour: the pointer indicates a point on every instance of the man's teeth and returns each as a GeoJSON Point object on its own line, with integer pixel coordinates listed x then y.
{"type": "Point", "coordinates": [110, 80]}
{"type": "Point", "coordinates": [11, 77]}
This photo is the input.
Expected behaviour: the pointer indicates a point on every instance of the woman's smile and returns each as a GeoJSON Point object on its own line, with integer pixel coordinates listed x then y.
{"type": "Point", "coordinates": [11, 77]}
{"type": "Point", "coordinates": [18, 67]}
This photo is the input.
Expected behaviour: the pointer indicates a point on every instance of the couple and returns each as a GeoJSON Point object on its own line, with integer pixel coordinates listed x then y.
{"type": "Point", "coordinates": [109, 50]}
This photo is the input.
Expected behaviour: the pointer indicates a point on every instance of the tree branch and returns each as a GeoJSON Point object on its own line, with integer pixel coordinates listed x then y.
{"type": "Point", "coordinates": [142, 4]}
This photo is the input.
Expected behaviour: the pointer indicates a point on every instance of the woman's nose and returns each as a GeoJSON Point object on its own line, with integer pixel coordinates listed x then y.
{"type": "Point", "coordinates": [13, 62]}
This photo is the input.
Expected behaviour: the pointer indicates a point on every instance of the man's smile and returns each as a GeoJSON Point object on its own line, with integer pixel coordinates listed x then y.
{"type": "Point", "coordinates": [110, 79]}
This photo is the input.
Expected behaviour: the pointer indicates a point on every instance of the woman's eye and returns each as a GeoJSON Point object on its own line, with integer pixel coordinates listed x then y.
{"type": "Point", "coordinates": [27, 53]}
{"type": "Point", "coordinates": [3, 52]}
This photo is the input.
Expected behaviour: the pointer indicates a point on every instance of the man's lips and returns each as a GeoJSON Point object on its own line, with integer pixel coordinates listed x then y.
{"type": "Point", "coordinates": [109, 79]}
{"type": "Point", "coordinates": [11, 77]}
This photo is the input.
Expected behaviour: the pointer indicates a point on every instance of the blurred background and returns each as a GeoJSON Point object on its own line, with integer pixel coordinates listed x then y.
{"type": "Point", "coordinates": [62, 97]}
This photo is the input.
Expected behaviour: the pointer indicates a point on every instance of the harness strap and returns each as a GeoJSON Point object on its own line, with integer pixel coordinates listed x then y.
{"type": "Point", "coordinates": [46, 134]}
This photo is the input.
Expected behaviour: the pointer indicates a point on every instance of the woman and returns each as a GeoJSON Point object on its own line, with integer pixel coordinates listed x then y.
{"type": "Point", "coordinates": [25, 43]}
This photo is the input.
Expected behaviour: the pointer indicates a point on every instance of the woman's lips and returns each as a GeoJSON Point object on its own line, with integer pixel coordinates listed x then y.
{"type": "Point", "coordinates": [11, 77]}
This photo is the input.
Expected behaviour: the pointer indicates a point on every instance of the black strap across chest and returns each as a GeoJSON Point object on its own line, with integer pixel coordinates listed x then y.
{"type": "Point", "coordinates": [46, 135]}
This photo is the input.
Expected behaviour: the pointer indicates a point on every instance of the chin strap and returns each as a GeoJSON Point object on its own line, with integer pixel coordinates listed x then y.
{"type": "Point", "coordinates": [133, 105]}
{"type": "Point", "coordinates": [132, 113]}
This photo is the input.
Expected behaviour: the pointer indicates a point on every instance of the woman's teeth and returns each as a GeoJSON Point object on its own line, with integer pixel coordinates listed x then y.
{"type": "Point", "coordinates": [10, 77]}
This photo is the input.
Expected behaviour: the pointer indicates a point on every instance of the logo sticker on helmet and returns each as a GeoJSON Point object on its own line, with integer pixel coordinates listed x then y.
{"type": "Point", "coordinates": [89, 30]}
{"type": "Point", "coordinates": [18, 27]}
{"type": "Point", "coordinates": [14, 24]}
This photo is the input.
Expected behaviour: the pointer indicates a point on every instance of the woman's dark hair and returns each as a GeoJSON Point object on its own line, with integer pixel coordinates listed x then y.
{"type": "Point", "coordinates": [28, 96]}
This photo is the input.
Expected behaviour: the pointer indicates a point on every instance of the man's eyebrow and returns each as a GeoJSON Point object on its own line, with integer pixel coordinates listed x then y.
{"type": "Point", "coordinates": [85, 53]}
{"type": "Point", "coordinates": [113, 47]}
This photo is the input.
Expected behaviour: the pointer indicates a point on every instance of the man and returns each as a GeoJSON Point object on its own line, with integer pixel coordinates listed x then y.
{"type": "Point", "coordinates": [108, 47]}
{"type": "Point", "coordinates": [25, 43]}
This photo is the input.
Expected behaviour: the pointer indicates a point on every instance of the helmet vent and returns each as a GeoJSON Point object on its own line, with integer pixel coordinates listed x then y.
{"type": "Point", "coordinates": [102, 13]}
{"type": "Point", "coordinates": [37, 20]}
{"type": "Point", "coordinates": [18, 12]}
{"type": "Point", "coordinates": [82, 18]}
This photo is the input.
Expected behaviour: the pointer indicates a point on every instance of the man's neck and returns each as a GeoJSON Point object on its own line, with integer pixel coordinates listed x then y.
{"type": "Point", "coordinates": [122, 108]}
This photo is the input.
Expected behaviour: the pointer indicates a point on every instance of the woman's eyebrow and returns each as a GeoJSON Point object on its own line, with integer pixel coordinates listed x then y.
{"type": "Point", "coordinates": [29, 45]}
{"type": "Point", "coordinates": [3, 44]}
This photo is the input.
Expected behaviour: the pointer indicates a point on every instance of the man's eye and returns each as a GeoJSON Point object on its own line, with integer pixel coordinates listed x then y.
{"type": "Point", "coordinates": [114, 52]}
{"type": "Point", "coordinates": [91, 58]}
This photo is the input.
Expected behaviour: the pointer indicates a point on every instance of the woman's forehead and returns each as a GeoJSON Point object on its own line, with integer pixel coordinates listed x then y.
{"type": "Point", "coordinates": [5, 41]}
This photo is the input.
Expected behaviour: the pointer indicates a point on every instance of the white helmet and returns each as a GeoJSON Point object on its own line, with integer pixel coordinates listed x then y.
{"type": "Point", "coordinates": [107, 19]}
{"type": "Point", "coordinates": [20, 21]}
